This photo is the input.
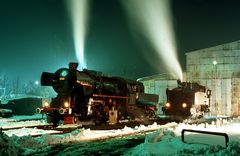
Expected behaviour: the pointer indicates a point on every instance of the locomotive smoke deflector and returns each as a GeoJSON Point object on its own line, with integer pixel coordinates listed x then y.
{"type": "Point", "coordinates": [47, 79]}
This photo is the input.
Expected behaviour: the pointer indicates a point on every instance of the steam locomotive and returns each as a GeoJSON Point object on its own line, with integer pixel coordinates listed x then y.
{"type": "Point", "coordinates": [90, 95]}
{"type": "Point", "coordinates": [187, 100]}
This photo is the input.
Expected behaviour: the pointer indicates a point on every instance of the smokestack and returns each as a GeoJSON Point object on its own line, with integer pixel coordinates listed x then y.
{"type": "Point", "coordinates": [73, 66]}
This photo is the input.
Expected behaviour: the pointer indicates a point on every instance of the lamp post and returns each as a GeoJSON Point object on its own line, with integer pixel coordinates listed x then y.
{"type": "Point", "coordinates": [215, 81]}
{"type": "Point", "coordinates": [36, 82]}
{"type": "Point", "coordinates": [218, 120]}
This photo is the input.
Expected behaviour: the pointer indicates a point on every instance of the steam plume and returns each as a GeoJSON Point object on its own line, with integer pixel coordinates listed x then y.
{"type": "Point", "coordinates": [153, 19]}
{"type": "Point", "coordinates": [79, 15]}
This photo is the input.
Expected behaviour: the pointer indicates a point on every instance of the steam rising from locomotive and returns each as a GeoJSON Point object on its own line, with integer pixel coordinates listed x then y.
{"type": "Point", "coordinates": [79, 14]}
{"type": "Point", "coordinates": [153, 19]}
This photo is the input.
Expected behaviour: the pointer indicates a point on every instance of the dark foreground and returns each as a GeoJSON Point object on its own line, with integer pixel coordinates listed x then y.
{"type": "Point", "coordinates": [117, 146]}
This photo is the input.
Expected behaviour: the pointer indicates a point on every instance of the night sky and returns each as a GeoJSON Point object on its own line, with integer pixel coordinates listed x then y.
{"type": "Point", "coordinates": [36, 36]}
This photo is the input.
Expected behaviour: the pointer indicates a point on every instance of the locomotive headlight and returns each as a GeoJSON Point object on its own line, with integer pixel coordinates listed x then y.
{"type": "Point", "coordinates": [46, 104]}
{"type": "Point", "coordinates": [184, 105]}
{"type": "Point", "coordinates": [66, 104]}
{"type": "Point", "coordinates": [64, 73]}
{"type": "Point", "coordinates": [168, 104]}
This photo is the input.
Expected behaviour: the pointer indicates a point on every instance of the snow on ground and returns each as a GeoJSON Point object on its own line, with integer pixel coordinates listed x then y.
{"type": "Point", "coordinates": [29, 131]}
{"type": "Point", "coordinates": [23, 117]}
{"type": "Point", "coordinates": [26, 145]}
{"type": "Point", "coordinates": [22, 121]}
{"type": "Point", "coordinates": [31, 123]}
{"type": "Point", "coordinates": [169, 142]}
{"type": "Point", "coordinates": [166, 140]}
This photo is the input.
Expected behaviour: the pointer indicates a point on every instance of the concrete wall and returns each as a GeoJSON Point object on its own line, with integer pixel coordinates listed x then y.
{"type": "Point", "coordinates": [200, 64]}
{"type": "Point", "coordinates": [235, 96]}
{"type": "Point", "coordinates": [157, 84]}
{"type": "Point", "coordinates": [221, 95]}
{"type": "Point", "coordinates": [221, 78]}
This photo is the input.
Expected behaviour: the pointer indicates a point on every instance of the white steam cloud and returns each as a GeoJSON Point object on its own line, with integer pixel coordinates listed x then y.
{"type": "Point", "coordinates": [79, 10]}
{"type": "Point", "coordinates": [153, 19]}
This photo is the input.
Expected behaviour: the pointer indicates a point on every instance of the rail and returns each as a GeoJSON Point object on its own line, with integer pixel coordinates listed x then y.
{"type": "Point", "coordinates": [206, 132]}
{"type": "Point", "coordinates": [110, 96]}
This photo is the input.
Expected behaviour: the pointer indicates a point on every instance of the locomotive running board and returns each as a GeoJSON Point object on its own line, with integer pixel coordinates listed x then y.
{"type": "Point", "coordinates": [206, 133]}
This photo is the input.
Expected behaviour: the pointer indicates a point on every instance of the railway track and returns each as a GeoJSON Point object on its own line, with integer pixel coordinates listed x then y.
{"type": "Point", "coordinates": [131, 123]}
{"type": "Point", "coordinates": [69, 128]}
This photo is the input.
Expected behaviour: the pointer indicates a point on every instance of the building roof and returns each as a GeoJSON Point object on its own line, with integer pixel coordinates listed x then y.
{"type": "Point", "coordinates": [227, 46]}
{"type": "Point", "coordinates": [163, 76]}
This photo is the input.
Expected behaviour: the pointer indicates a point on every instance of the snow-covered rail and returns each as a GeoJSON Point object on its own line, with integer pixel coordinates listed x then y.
{"type": "Point", "coordinates": [21, 124]}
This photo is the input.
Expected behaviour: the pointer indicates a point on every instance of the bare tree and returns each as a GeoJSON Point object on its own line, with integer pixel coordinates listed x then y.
{"type": "Point", "coordinates": [4, 85]}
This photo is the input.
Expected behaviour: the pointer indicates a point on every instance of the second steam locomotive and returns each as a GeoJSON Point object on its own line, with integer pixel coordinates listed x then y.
{"type": "Point", "coordinates": [187, 100]}
{"type": "Point", "coordinates": [90, 95]}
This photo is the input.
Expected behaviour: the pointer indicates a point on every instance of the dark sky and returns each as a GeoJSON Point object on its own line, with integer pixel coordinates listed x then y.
{"type": "Point", "coordinates": [35, 35]}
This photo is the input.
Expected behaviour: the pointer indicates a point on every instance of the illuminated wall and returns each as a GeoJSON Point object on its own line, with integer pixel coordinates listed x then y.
{"type": "Point", "coordinates": [218, 68]}
{"type": "Point", "coordinates": [157, 84]}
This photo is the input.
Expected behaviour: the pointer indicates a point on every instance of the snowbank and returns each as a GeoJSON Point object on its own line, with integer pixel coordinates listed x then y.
{"type": "Point", "coordinates": [169, 142]}
{"type": "Point", "coordinates": [165, 140]}
{"type": "Point", "coordinates": [7, 146]}
{"type": "Point", "coordinates": [29, 145]}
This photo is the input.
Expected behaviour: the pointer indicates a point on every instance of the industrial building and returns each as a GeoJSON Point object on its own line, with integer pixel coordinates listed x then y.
{"type": "Point", "coordinates": [217, 68]}
{"type": "Point", "coordinates": [157, 84]}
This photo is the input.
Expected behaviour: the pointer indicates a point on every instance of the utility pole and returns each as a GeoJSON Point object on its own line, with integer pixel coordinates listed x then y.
{"type": "Point", "coordinates": [217, 107]}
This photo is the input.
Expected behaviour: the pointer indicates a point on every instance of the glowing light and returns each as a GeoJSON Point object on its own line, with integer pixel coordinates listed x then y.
{"type": "Point", "coordinates": [167, 105]}
{"type": "Point", "coordinates": [184, 105]}
{"type": "Point", "coordinates": [79, 14]}
{"type": "Point", "coordinates": [153, 20]}
{"type": "Point", "coordinates": [215, 62]}
{"type": "Point", "coordinates": [66, 104]}
{"type": "Point", "coordinates": [46, 104]}
{"type": "Point", "coordinates": [36, 82]}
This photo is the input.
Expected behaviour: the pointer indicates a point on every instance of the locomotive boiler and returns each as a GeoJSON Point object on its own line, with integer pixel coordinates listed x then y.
{"type": "Point", "coordinates": [187, 100]}
{"type": "Point", "coordinates": [91, 95]}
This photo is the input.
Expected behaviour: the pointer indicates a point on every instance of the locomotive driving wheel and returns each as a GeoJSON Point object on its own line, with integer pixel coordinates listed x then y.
{"type": "Point", "coordinates": [54, 118]}
{"type": "Point", "coordinates": [99, 116]}
{"type": "Point", "coordinates": [150, 113]}
{"type": "Point", "coordinates": [122, 113]}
